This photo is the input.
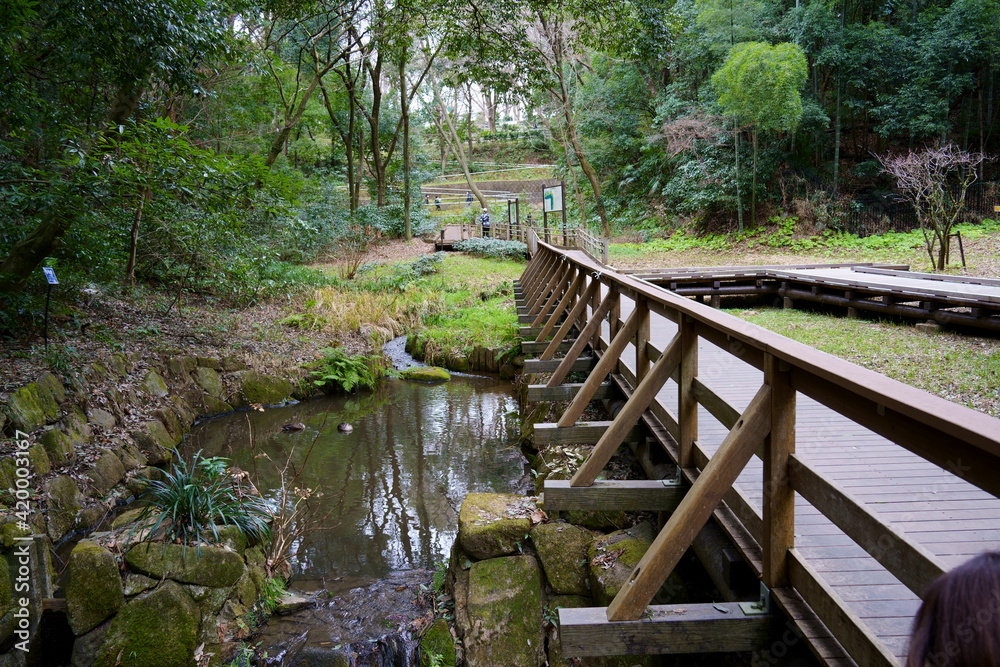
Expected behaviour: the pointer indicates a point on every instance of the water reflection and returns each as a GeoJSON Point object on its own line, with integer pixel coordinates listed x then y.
{"type": "Point", "coordinates": [393, 486]}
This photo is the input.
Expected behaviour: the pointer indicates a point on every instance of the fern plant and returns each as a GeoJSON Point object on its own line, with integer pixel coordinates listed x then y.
{"type": "Point", "coordinates": [192, 500]}
{"type": "Point", "coordinates": [338, 369]}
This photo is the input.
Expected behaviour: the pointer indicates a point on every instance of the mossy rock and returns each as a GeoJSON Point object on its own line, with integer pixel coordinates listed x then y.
{"type": "Point", "coordinates": [231, 364]}
{"type": "Point", "coordinates": [138, 583]}
{"type": "Point", "coordinates": [74, 423]}
{"type": "Point", "coordinates": [102, 418]}
{"type": "Point", "coordinates": [562, 550]}
{"type": "Point", "coordinates": [209, 380]}
{"type": "Point", "coordinates": [204, 566]}
{"type": "Point", "coordinates": [6, 587]}
{"type": "Point", "coordinates": [65, 501]}
{"type": "Point", "coordinates": [157, 628]}
{"type": "Point", "coordinates": [613, 557]}
{"type": "Point", "coordinates": [49, 383]}
{"type": "Point", "coordinates": [154, 385]}
{"type": "Point", "coordinates": [31, 407]}
{"type": "Point", "coordinates": [426, 374]}
{"type": "Point", "coordinates": [599, 520]}
{"type": "Point", "coordinates": [94, 587]}
{"type": "Point", "coordinates": [9, 531]}
{"type": "Point", "coordinates": [105, 473]}
{"type": "Point", "coordinates": [59, 447]}
{"type": "Point", "coordinates": [120, 364]}
{"type": "Point", "coordinates": [40, 463]}
{"type": "Point", "coordinates": [208, 362]}
{"type": "Point", "coordinates": [130, 455]}
{"type": "Point", "coordinates": [494, 524]}
{"type": "Point", "coordinates": [256, 387]}
{"type": "Point", "coordinates": [184, 412]}
{"type": "Point", "coordinates": [437, 641]}
{"type": "Point", "coordinates": [171, 422]}
{"type": "Point", "coordinates": [232, 537]}
{"type": "Point", "coordinates": [505, 612]}
{"type": "Point", "coordinates": [155, 441]}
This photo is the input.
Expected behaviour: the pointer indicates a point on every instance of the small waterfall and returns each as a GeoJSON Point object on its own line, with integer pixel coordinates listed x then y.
{"type": "Point", "coordinates": [395, 349]}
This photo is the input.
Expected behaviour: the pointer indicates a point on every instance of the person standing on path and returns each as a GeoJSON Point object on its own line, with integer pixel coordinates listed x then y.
{"type": "Point", "coordinates": [468, 199]}
{"type": "Point", "coordinates": [484, 220]}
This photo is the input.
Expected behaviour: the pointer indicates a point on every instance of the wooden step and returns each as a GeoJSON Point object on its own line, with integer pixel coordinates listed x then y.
{"type": "Point", "coordinates": [531, 347]}
{"type": "Point", "coordinates": [566, 392]}
{"type": "Point", "coordinates": [581, 365]}
{"type": "Point", "coordinates": [721, 627]}
{"type": "Point", "coordinates": [582, 433]}
{"type": "Point", "coordinates": [614, 494]}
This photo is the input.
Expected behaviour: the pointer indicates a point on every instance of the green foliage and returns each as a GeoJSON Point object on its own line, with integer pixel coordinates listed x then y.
{"type": "Point", "coordinates": [760, 84]}
{"type": "Point", "coordinates": [494, 248]}
{"type": "Point", "coordinates": [273, 589]}
{"type": "Point", "coordinates": [194, 499]}
{"type": "Point", "coordinates": [340, 370]}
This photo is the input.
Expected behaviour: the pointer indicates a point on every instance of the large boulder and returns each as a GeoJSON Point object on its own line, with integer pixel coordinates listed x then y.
{"type": "Point", "coordinates": [59, 446]}
{"type": "Point", "coordinates": [613, 557]}
{"type": "Point", "coordinates": [505, 612]}
{"type": "Point", "coordinates": [437, 646]}
{"type": "Point", "coordinates": [494, 524]}
{"type": "Point", "coordinates": [256, 387]}
{"type": "Point", "coordinates": [562, 549]}
{"type": "Point", "coordinates": [210, 381]}
{"type": "Point", "coordinates": [64, 503]}
{"type": "Point", "coordinates": [157, 628]}
{"type": "Point", "coordinates": [155, 385]}
{"type": "Point", "coordinates": [155, 441]}
{"type": "Point", "coordinates": [94, 587]}
{"type": "Point", "coordinates": [105, 473]}
{"type": "Point", "coordinates": [426, 374]}
{"type": "Point", "coordinates": [203, 566]}
{"type": "Point", "coordinates": [32, 406]}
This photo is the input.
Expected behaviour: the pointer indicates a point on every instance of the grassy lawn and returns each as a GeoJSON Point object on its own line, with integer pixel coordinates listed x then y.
{"type": "Point", "coordinates": [459, 299]}
{"type": "Point", "coordinates": [961, 368]}
{"type": "Point", "coordinates": [785, 244]}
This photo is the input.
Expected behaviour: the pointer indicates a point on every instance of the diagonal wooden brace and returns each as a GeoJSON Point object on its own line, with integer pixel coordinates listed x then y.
{"type": "Point", "coordinates": [557, 291]}
{"type": "Point", "coordinates": [606, 365]}
{"type": "Point", "coordinates": [701, 500]}
{"type": "Point", "coordinates": [549, 279]}
{"type": "Point", "coordinates": [571, 319]}
{"type": "Point", "coordinates": [630, 413]}
{"type": "Point", "coordinates": [592, 327]}
{"type": "Point", "coordinates": [564, 304]}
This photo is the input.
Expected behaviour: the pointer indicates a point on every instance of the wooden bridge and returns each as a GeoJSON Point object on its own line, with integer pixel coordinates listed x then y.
{"type": "Point", "coordinates": [843, 492]}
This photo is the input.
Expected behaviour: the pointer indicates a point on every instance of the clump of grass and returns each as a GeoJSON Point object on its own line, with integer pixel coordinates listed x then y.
{"type": "Point", "coordinates": [192, 500]}
{"type": "Point", "coordinates": [495, 248]}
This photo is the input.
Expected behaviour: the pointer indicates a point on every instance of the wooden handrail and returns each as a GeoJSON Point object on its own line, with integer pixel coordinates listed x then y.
{"type": "Point", "coordinates": [956, 438]}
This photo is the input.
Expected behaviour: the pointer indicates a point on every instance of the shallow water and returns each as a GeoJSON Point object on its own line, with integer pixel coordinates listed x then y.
{"type": "Point", "coordinates": [392, 487]}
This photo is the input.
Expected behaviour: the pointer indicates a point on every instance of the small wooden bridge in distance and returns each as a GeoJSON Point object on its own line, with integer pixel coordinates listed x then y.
{"type": "Point", "coordinates": [837, 492]}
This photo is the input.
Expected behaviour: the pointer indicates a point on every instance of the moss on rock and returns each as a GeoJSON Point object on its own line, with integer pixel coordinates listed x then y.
{"type": "Point", "coordinates": [105, 473]}
{"type": "Point", "coordinates": [256, 387]}
{"type": "Point", "coordinates": [59, 447]}
{"type": "Point", "coordinates": [40, 462]}
{"type": "Point", "coordinates": [209, 380]}
{"type": "Point", "coordinates": [505, 612]}
{"type": "Point", "coordinates": [426, 374]}
{"type": "Point", "coordinates": [562, 549]}
{"type": "Point", "coordinates": [65, 501]}
{"type": "Point", "coordinates": [94, 588]}
{"type": "Point", "coordinates": [155, 441]}
{"type": "Point", "coordinates": [154, 385]}
{"type": "Point", "coordinates": [437, 641]}
{"type": "Point", "coordinates": [204, 566]}
{"type": "Point", "coordinates": [158, 628]}
{"type": "Point", "coordinates": [613, 557]}
{"type": "Point", "coordinates": [494, 524]}
{"type": "Point", "coordinates": [30, 407]}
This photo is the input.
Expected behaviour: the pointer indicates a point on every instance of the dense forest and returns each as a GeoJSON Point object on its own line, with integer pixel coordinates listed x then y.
{"type": "Point", "coordinates": [217, 145]}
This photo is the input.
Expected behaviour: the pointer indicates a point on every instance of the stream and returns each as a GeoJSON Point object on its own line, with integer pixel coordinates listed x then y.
{"type": "Point", "coordinates": [391, 490]}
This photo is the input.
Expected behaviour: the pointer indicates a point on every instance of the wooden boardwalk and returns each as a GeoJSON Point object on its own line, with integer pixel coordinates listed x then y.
{"type": "Point", "coordinates": [904, 512]}
{"type": "Point", "coordinates": [880, 288]}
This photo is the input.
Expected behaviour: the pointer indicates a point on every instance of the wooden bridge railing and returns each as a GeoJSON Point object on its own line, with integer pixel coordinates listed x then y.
{"type": "Point", "coordinates": [563, 292]}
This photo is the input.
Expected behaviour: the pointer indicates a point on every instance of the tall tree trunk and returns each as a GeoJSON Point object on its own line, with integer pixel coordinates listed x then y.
{"type": "Point", "coordinates": [133, 244]}
{"type": "Point", "coordinates": [455, 143]}
{"type": "Point", "coordinates": [404, 106]}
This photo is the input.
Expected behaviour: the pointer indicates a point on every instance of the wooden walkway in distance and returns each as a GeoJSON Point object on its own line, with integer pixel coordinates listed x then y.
{"type": "Point", "coordinates": [859, 477]}
{"type": "Point", "coordinates": [885, 289]}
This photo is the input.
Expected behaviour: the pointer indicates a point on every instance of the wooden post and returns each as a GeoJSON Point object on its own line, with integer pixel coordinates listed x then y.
{"type": "Point", "coordinates": [629, 415]}
{"type": "Point", "coordinates": [549, 265]}
{"type": "Point", "coordinates": [779, 498]}
{"type": "Point", "coordinates": [642, 340]}
{"type": "Point", "coordinates": [699, 503]}
{"type": "Point", "coordinates": [687, 409]}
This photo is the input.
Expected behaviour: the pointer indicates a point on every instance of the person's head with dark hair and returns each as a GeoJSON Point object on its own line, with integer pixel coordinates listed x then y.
{"type": "Point", "coordinates": [958, 624]}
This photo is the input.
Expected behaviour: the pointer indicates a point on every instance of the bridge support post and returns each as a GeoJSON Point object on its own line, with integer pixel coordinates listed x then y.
{"type": "Point", "coordinates": [779, 498]}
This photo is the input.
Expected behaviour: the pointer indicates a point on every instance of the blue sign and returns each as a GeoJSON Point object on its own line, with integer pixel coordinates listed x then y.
{"type": "Point", "coordinates": [50, 275]}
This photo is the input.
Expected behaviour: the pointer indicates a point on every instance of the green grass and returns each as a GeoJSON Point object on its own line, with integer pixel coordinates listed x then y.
{"type": "Point", "coordinates": [782, 238]}
{"type": "Point", "coordinates": [389, 300]}
{"type": "Point", "coordinates": [961, 368]}
{"type": "Point", "coordinates": [491, 323]}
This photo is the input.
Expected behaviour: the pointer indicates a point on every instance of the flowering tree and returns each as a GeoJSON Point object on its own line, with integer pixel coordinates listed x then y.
{"type": "Point", "coordinates": [935, 181]}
